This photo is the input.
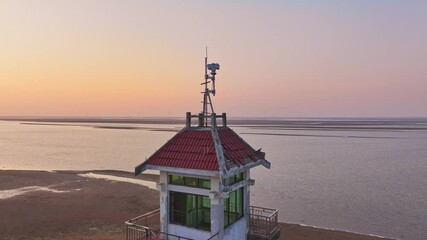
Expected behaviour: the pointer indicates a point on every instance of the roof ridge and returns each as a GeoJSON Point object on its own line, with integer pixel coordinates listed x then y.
{"type": "Point", "coordinates": [220, 156]}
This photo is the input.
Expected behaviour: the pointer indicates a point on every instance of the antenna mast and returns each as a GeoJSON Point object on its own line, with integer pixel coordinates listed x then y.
{"type": "Point", "coordinates": [209, 78]}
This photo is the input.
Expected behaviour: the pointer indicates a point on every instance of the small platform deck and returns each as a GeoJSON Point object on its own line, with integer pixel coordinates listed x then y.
{"type": "Point", "coordinates": [263, 223]}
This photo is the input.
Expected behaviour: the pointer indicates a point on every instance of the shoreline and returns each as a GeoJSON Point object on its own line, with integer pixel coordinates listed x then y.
{"type": "Point", "coordinates": [94, 205]}
{"type": "Point", "coordinates": [385, 123]}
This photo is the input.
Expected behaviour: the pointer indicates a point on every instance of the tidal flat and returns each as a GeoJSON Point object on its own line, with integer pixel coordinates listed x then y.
{"type": "Point", "coordinates": [94, 205]}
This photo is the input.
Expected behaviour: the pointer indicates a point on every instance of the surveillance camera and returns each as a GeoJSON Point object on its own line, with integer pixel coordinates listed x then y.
{"type": "Point", "coordinates": [213, 67]}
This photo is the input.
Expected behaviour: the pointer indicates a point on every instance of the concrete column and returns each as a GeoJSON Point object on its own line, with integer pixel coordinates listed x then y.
{"type": "Point", "coordinates": [217, 208]}
{"type": "Point", "coordinates": [188, 119]}
{"type": "Point", "coordinates": [164, 201]}
{"type": "Point", "coordinates": [246, 200]}
{"type": "Point", "coordinates": [213, 119]}
{"type": "Point", "coordinates": [201, 120]}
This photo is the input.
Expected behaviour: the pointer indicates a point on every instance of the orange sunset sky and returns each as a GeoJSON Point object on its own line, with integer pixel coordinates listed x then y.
{"type": "Point", "coordinates": [278, 58]}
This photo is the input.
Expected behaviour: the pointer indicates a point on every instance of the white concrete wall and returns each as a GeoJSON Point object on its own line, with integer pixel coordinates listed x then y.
{"type": "Point", "coordinates": [164, 201]}
{"type": "Point", "coordinates": [247, 199]}
{"type": "Point", "coordinates": [217, 208]}
{"type": "Point", "coordinates": [188, 232]}
{"type": "Point", "coordinates": [236, 231]}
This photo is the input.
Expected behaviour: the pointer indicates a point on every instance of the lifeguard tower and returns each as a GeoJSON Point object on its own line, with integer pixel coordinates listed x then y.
{"type": "Point", "coordinates": [205, 182]}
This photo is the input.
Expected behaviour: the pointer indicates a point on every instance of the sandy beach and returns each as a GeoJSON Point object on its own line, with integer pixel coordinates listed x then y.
{"type": "Point", "coordinates": [86, 205]}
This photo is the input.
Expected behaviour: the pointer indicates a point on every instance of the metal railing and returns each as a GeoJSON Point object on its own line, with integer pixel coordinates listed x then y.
{"type": "Point", "coordinates": [263, 223]}
{"type": "Point", "coordinates": [214, 237]}
{"type": "Point", "coordinates": [147, 227]}
{"type": "Point", "coordinates": [135, 232]}
{"type": "Point", "coordinates": [150, 220]}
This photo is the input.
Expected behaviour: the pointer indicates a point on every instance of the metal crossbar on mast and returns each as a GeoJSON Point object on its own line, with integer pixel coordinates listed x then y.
{"type": "Point", "coordinates": [209, 78]}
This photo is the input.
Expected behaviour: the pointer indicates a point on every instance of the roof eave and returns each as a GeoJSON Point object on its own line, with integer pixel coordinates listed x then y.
{"type": "Point", "coordinates": [266, 163]}
{"type": "Point", "coordinates": [238, 169]}
{"type": "Point", "coordinates": [189, 171]}
{"type": "Point", "coordinates": [140, 168]}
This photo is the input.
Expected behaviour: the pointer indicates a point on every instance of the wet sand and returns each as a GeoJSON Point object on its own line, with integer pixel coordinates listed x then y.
{"type": "Point", "coordinates": [68, 205]}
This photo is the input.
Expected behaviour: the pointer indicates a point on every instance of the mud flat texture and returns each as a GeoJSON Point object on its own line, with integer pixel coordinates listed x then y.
{"type": "Point", "coordinates": [68, 205]}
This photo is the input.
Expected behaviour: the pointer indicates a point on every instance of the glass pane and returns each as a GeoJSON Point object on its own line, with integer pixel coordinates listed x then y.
{"type": "Point", "coordinates": [239, 177]}
{"type": "Point", "coordinates": [232, 200]}
{"type": "Point", "coordinates": [232, 206]}
{"type": "Point", "coordinates": [239, 202]}
{"type": "Point", "coordinates": [178, 207]}
{"type": "Point", "coordinates": [178, 180]}
{"type": "Point", "coordinates": [226, 219]}
{"type": "Point", "coordinates": [203, 183]}
{"type": "Point", "coordinates": [206, 202]}
{"type": "Point", "coordinates": [191, 212]}
{"type": "Point", "coordinates": [232, 180]}
{"type": "Point", "coordinates": [204, 213]}
{"type": "Point", "coordinates": [189, 181]}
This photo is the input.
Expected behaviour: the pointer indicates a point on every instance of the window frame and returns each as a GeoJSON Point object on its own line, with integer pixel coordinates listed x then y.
{"type": "Point", "coordinates": [238, 213]}
{"type": "Point", "coordinates": [236, 178]}
{"type": "Point", "coordinates": [185, 179]}
{"type": "Point", "coordinates": [199, 203]}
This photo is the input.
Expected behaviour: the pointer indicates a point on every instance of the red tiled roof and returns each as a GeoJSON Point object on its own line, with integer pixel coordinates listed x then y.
{"type": "Point", "coordinates": [235, 149]}
{"type": "Point", "coordinates": [195, 149]}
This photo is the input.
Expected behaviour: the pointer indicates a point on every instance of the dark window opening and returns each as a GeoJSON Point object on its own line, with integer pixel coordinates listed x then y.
{"type": "Point", "coordinates": [190, 210]}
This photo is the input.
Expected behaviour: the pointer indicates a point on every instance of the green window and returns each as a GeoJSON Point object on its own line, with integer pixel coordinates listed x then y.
{"type": "Point", "coordinates": [190, 210]}
{"type": "Point", "coordinates": [190, 181]}
{"type": "Point", "coordinates": [204, 183]}
{"type": "Point", "coordinates": [236, 178]}
{"type": "Point", "coordinates": [178, 180]}
{"type": "Point", "coordinates": [233, 207]}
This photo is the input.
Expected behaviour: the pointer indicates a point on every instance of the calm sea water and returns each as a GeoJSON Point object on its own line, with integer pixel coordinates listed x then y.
{"type": "Point", "coordinates": [365, 179]}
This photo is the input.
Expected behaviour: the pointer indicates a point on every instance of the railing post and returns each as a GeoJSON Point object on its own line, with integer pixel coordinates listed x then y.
{"type": "Point", "coordinates": [201, 120]}
{"type": "Point", "coordinates": [224, 119]}
{"type": "Point", "coordinates": [188, 119]}
{"type": "Point", "coordinates": [213, 120]}
{"type": "Point", "coordinates": [126, 232]}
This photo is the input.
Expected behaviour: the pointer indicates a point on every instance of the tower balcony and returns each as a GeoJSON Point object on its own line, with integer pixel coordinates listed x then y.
{"type": "Point", "coordinates": [263, 224]}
